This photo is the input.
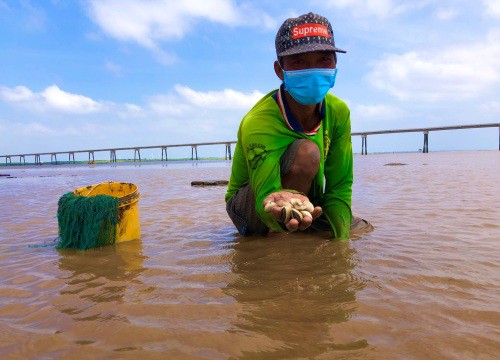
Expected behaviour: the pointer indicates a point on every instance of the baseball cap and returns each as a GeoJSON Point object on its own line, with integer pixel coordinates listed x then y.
{"type": "Point", "coordinates": [308, 32]}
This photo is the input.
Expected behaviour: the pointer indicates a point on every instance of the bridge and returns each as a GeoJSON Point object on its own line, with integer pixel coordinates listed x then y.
{"type": "Point", "coordinates": [425, 131]}
{"type": "Point", "coordinates": [112, 152]}
{"type": "Point", "coordinates": [194, 147]}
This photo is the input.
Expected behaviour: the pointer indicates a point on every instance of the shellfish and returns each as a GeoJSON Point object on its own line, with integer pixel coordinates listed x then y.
{"type": "Point", "coordinates": [295, 209]}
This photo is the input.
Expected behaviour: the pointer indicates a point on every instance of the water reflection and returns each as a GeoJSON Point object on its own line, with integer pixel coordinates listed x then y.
{"type": "Point", "coordinates": [292, 290]}
{"type": "Point", "coordinates": [98, 279]}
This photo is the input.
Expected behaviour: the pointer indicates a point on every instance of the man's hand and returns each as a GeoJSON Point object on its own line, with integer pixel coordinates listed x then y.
{"type": "Point", "coordinates": [280, 198]}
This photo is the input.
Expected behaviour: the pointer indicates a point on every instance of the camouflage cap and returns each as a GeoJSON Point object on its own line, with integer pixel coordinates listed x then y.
{"type": "Point", "coordinates": [308, 32]}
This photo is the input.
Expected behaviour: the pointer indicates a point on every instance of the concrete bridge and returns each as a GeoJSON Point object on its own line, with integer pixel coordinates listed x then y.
{"type": "Point", "coordinates": [112, 152]}
{"type": "Point", "coordinates": [425, 131]}
{"type": "Point", "coordinates": [194, 147]}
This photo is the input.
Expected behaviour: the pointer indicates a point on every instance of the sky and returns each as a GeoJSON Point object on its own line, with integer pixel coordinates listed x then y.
{"type": "Point", "coordinates": [93, 74]}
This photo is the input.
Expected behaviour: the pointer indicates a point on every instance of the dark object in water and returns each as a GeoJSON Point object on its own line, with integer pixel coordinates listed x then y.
{"type": "Point", "coordinates": [395, 164]}
{"type": "Point", "coordinates": [4, 174]}
{"type": "Point", "coordinates": [209, 183]}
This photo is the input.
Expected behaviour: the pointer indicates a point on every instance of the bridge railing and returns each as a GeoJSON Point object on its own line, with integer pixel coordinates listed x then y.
{"type": "Point", "coordinates": [227, 144]}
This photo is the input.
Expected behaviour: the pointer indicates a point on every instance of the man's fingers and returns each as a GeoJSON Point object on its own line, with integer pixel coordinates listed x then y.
{"type": "Point", "coordinates": [317, 212]}
{"type": "Point", "coordinates": [276, 213]}
{"type": "Point", "coordinates": [292, 225]}
{"type": "Point", "coordinates": [305, 223]}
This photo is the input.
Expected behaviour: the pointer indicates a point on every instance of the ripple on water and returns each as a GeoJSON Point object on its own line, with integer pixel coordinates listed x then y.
{"type": "Point", "coordinates": [192, 288]}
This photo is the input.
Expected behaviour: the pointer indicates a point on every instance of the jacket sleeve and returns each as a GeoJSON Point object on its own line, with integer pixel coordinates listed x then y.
{"type": "Point", "coordinates": [263, 147]}
{"type": "Point", "coordinates": [339, 177]}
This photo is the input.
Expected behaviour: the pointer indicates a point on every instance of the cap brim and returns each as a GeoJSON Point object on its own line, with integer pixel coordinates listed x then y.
{"type": "Point", "coordinates": [309, 48]}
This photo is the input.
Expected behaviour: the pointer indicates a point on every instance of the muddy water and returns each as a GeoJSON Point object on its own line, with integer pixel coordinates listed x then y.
{"type": "Point", "coordinates": [424, 284]}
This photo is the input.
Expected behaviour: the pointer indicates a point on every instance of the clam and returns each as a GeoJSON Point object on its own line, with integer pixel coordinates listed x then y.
{"type": "Point", "coordinates": [286, 214]}
{"type": "Point", "coordinates": [306, 213]}
{"type": "Point", "coordinates": [297, 204]}
{"type": "Point", "coordinates": [309, 206]}
{"type": "Point", "coordinates": [295, 209]}
{"type": "Point", "coordinates": [269, 206]}
{"type": "Point", "coordinates": [297, 215]}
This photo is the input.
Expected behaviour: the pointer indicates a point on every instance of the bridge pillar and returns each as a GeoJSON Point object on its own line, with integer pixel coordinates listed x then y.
{"type": "Point", "coordinates": [112, 155]}
{"type": "Point", "coordinates": [194, 150]}
{"type": "Point", "coordinates": [164, 149]}
{"type": "Point", "coordinates": [228, 151]}
{"type": "Point", "coordinates": [22, 160]}
{"type": "Point", "coordinates": [364, 145]}
{"type": "Point", "coordinates": [37, 159]}
{"type": "Point", "coordinates": [425, 150]}
{"type": "Point", "coordinates": [71, 155]}
{"type": "Point", "coordinates": [8, 160]}
{"type": "Point", "coordinates": [91, 156]}
{"type": "Point", "coordinates": [137, 152]}
{"type": "Point", "coordinates": [53, 157]}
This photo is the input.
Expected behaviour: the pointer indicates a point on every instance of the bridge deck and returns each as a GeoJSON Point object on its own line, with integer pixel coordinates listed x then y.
{"type": "Point", "coordinates": [363, 134]}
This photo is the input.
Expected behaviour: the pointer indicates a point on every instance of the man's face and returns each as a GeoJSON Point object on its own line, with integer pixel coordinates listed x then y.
{"type": "Point", "coordinates": [309, 60]}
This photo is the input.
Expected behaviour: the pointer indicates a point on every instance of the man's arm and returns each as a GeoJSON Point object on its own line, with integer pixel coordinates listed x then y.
{"type": "Point", "coordinates": [339, 178]}
{"type": "Point", "coordinates": [263, 160]}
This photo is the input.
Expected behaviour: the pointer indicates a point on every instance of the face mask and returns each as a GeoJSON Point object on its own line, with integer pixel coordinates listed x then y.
{"type": "Point", "coordinates": [309, 86]}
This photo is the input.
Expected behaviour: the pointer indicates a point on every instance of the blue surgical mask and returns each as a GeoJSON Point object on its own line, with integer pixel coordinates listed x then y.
{"type": "Point", "coordinates": [309, 86]}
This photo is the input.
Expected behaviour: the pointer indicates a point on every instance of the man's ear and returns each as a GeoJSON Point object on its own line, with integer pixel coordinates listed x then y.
{"type": "Point", "coordinates": [278, 70]}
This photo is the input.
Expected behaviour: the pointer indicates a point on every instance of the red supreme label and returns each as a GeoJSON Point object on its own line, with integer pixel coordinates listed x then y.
{"type": "Point", "coordinates": [306, 30]}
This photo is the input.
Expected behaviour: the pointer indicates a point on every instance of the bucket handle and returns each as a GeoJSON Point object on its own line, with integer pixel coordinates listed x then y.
{"type": "Point", "coordinates": [96, 185]}
{"type": "Point", "coordinates": [93, 188]}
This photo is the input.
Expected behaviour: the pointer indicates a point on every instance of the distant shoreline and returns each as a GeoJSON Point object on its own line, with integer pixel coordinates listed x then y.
{"type": "Point", "coordinates": [122, 162]}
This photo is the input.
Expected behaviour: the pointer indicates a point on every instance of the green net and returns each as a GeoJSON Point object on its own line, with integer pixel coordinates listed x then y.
{"type": "Point", "coordinates": [87, 222]}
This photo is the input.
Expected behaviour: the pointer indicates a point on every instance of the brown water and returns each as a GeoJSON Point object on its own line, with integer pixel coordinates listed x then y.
{"type": "Point", "coordinates": [424, 284]}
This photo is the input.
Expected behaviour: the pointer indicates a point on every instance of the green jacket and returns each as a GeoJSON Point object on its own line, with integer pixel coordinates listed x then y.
{"type": "Point", "coordinates": [264, 135]}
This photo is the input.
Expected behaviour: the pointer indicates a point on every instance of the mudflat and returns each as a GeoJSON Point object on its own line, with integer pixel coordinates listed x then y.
{"type": "Point", "coordinates": [423, 285]}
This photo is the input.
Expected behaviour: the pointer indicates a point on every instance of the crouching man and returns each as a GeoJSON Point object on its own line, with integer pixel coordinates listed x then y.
{"type": "Point", "coordinates": [294, 145]}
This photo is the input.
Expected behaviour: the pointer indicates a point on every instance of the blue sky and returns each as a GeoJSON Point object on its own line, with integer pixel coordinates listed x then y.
{"type": "Point", "coordinates": [118, 73]}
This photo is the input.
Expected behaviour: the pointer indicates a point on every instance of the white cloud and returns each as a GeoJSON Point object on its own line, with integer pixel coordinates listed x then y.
{"type": "Point", "coordinates": [491, 107]}
{"type": "Point", "coordinates": [377, 8]}
{"type": "Point", "coordinates": [113, 68]}
{"type": "Point", "coordinates": [457, 72]}
{"type": "Point", "coordinates": [69, 103]}
{"type": "Point", "coordinates": [163, 20]}
{"type": "Point", "coordinates": [446, 14]}
{"type": "Point", "coordinates": [34, 18]}
{"type": "Point", "coordinates": [175, 103]}
{"type": "Point", "coordinates": [184, 100]}
{"type": "Point", "coordinates": [38, 129]}
{"type": "Point", "coordinates": [492, 8]}
{"type": "Point", "coordinates": [168, 104]}
{"type": "Point", "coordinates": [128, 111]}
{"type": "Point", "coordinates": [214, 115]}
{"type": "Point", "coordinates": [17, 94]}
{"type": "Point", "coordinates": [377, 112]}
{"type": "Point", "coordinates": [225, 99]}
{"type": "Point", "coordinates": [50, 99]}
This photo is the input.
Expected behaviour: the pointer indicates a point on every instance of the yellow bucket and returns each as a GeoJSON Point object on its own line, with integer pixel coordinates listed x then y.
{"type": "Point", "coordinates": [128, 227]}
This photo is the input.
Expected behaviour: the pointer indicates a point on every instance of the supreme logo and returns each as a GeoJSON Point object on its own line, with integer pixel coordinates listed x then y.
{"type": "Point", "coordinates": [306, 30]}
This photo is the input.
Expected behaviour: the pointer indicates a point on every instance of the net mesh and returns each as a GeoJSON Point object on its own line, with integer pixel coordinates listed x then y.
{"type": "Point", "coordinates": [87, 222]}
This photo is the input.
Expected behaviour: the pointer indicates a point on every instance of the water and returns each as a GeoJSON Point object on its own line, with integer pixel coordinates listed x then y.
{"type": "Point", "coordinates": [423, 285]}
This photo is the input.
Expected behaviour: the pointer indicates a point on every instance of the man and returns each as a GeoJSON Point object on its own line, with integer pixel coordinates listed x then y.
{"type": "Point", "coordinates": [296, 141]}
